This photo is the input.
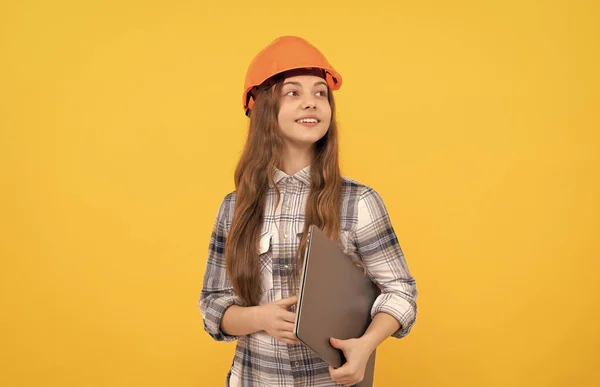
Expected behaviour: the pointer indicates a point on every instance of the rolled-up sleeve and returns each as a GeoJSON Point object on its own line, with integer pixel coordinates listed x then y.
{"type": "Point", "coordinates": [217, 292]}
{"type": "Point", "coordinates": [382, 255]}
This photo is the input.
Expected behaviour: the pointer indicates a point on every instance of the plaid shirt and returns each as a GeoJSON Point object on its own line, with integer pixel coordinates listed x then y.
{"type": "Point", "coordinates": [367, 234]}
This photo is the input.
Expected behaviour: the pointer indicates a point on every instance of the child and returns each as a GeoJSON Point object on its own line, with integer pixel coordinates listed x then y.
{"type": "Point", "coordinates": [288, 178]}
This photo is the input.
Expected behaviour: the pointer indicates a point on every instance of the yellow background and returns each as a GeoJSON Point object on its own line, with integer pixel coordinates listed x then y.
{"type": "Point", "coordinates": [121, 124]}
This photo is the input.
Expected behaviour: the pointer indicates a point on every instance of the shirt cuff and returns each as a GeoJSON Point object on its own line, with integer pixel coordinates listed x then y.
{"type": "Point", "coordinates": [213, 308]}
{"type": "Point", "coordinates": [399, 308]}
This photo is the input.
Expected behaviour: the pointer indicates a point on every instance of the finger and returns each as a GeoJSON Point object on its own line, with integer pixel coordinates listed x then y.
{"type": "Point", "coordinates": [288, 335]}
{"type": "Point", "coordinates": [287, 326]}
{"type": "Point", "coordinates": [335, 376]}
{"type": "Point", "coordinates": [350, 381]}
{"type": "Point", "coordinates": [287, 302]}
{"type": "Point", "coordinates": [338, 374]}
{"type": "Point", "coordinates": [287, 331]}
{"type": "Point", "coordinates": [288, 316]}
{"type": "Point", "coordinates": [288, 340]}
{"type": "Point", "coordinates": [331, 374]}
{"type": "Point", "coordinates": [347, 381]}
{"type": "Point", "coordinates": [336, 343]}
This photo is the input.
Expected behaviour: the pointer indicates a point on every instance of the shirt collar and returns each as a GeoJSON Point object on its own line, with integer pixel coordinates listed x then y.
{"type": "Point", "coordinates": [303, 176]}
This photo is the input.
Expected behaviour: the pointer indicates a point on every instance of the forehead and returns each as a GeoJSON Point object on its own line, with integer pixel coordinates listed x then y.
{"type": "Point", "coordinates": [305, 80]}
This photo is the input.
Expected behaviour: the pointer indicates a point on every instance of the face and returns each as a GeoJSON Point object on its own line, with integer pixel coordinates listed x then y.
{"type": "Point", "coordinates": [304, 110]}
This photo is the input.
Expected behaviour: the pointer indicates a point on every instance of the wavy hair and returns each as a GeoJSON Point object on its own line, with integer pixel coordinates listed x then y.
{"type": "Point", "coordinates": [254, 172]}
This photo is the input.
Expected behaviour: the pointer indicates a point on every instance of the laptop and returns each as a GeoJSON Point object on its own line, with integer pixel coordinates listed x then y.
{"type": "Point", "coordinates": [334, 300]}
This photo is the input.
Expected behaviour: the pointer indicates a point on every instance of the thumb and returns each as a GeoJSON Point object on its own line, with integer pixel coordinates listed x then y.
{"type": "Point", "coordinates": [337, 343]}
{"type": "Point", "coordinates": [287, 302]}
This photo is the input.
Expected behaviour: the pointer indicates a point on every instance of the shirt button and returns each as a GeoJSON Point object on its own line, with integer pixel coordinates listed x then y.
{"type": "Point", "coordinates": [297, 364]}
{"type": "Point", "coordinates": [284, 236]}
{"type": "Point", "coordinates": [287, 208]}
{"type": "Point", "coordinates": [286, 266]}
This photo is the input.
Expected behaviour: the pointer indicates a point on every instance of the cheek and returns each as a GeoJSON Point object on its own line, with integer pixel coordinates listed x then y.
{"type": "Point", "coordinates": [327, 114]}
{"type": "Point", "coordinates": [285, 116]}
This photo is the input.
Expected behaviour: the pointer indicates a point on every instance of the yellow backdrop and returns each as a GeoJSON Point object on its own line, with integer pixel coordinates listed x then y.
{"type": "Point", "coordinates": [121, 124]}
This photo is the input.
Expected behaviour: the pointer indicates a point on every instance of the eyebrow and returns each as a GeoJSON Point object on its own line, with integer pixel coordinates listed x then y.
{"type": "Point", "coordinates": [300, 85]}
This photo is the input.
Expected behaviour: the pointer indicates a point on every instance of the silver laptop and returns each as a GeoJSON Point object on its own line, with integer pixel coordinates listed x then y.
{"type": "Point", "coordinates": [334, 300]}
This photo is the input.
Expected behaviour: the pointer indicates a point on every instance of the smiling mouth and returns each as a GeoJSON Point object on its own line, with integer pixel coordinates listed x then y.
{"type": "Point", "coordinates": [308, 121]}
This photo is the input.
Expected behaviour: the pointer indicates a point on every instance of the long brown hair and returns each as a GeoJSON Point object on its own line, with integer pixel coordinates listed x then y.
{"type": "Point", "coordinates": [254, 172]}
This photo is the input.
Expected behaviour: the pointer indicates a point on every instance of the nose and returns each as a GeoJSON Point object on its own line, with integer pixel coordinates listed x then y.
{"type": "Point", "coordinates": [309, 103]}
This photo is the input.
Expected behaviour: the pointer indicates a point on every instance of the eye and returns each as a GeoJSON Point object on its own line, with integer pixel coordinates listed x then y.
{"type": "Point", "coordinates": [322, 93]}
{"type": "Point", "coordinates": [292, 93]}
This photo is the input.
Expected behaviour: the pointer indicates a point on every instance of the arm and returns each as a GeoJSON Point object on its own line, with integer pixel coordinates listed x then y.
{"type": "Point", "coordinates": [217, 295]}
{"type": "Point", "coordinates": [224, 317]}
{"type": "Point", "coordinates": [382, 327]}
{"type": "Point", "coordinates": [380, 250]}
{"type": "Point", "coordinates": [273, 318]}
{"type": "Point", "coordinates": [240, 321]}
{"type": "Point", "coordinates": [394, 311]}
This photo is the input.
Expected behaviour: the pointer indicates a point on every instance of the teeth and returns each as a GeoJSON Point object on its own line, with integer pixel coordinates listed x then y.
{"type": "Point", "coordinates": [307, 120]}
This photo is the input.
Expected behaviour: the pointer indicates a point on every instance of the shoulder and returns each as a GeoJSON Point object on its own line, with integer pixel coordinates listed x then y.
{"type": "Point", "coordinates": [229, 198]}
{"type": "Point", "coordinates": [226, 208]}
{"type": "Point", "coordinates": [362, 200]}
{"type": "Point", "coordinates": [355, 189]}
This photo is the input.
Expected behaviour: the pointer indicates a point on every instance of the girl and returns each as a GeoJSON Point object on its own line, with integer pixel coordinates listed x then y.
{"type": "Point", "coordinates": [288, 178]}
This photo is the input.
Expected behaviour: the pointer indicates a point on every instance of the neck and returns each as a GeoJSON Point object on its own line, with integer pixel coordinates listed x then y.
{"type": "Point", "coordinates": [295, 159]}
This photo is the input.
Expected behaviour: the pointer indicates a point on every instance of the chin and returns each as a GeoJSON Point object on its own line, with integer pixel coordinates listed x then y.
{"type": "Point", "coordinates": [312, 135]}
{"type": "Point", "coordinates": [305, 137]}
{"type": "Point", "coordinates": [308, 140]}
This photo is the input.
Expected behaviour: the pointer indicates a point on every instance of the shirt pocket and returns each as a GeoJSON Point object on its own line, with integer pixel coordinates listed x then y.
{"type": "Point", "coordinates": [345, 242]}
{"type": "Point", "coordinates": [265, 260]}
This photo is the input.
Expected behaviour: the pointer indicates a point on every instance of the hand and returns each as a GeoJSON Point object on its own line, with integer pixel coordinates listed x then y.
{"type": "Point", "coordinates": [278, 321]}
{"type": "Point", "coordinates": [357, 353]}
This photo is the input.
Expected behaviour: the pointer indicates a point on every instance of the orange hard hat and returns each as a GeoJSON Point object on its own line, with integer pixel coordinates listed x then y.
{"type": "Point", "coordinates": [284, 54]}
